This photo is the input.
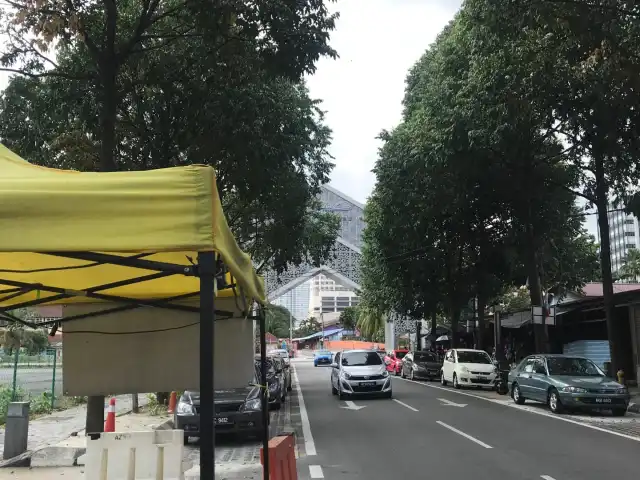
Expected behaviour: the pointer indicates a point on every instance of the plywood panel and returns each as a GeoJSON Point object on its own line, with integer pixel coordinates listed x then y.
{"type": "Point", "coordinates": [150, 350]}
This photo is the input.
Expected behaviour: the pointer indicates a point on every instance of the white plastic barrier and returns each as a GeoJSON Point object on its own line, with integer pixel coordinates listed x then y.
{"type": "Point", "coordinates": [155, 455]}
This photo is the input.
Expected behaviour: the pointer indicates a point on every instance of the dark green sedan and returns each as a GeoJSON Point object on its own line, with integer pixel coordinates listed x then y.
{"type": "Point", "coordinates": [566, 382]}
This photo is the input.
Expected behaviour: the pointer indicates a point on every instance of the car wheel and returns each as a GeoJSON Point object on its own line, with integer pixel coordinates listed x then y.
{"type": "Point", "coordinates": [516, 394]}
{"type": "Point", "coordinates": [388, 395]}
{"type": "Point", "coordinates": [619, 412]}
{"type": "Point", "coordinates": [455, 381]}
{"type": "Point", "coordinates": [289, 388]}
{"type": "Point", "coordinates": [186, 440]}
{"type": "Point", "coordinates": [334, 391]}
{"type": "Point", "coordinates": [277, 405]}
{"type": "Point", "coordinates": [412, 376]}
{"type": "Point", "coordinates": [555, 405]}
{"type": "Point", "coordinates": [397, 373]}
{"type": "Point", "coordinates": [442, 380]}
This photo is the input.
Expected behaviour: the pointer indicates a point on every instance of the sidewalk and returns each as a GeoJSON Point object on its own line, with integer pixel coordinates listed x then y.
{"type": "Point", "coordinates": [54, 428]}
{"type": "Point", "coordinates": [634, 406]}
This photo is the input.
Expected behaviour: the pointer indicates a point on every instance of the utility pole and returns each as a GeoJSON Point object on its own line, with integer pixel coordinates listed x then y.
{"type": "Point", "coordinates": [322, 320]}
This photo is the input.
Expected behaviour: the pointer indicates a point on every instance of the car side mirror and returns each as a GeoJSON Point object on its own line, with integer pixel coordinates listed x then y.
{"type": "Point", "coordinates": [387, 362]}
{"type": "Point", "coordinates": [334, 365]}
{"type": "Point", "coordinates": [495, 362]}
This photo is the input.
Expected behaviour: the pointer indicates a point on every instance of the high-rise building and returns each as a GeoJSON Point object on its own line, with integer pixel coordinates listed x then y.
{"type": "Point", "coordinates": [296, 301]}
{"type": "Point", "coordinates": [328, 296]}
{"type": "Point", "coordinates": [624, 234]}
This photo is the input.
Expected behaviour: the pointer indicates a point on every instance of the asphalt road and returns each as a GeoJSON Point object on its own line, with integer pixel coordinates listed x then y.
{"type": "Point", "coordinates": [430, 432]}
{"type": "Point", "coordinates": [33, 380]}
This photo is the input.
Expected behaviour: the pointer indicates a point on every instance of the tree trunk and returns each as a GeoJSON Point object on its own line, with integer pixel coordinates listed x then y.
{"type": "Point", "coordinates": [535, 291]}
{"type": "Point", "coordinates": [455, 320]}
{"type": "Point", "coordinates": [482, 302]}
{"type": "Point", "coordinates": [108, 111]}
{"type": "Point", "coordinates": [602, 205]}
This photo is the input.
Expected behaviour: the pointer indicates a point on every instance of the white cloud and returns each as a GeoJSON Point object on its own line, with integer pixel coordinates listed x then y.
{"type": "Point", "coordinates": [378, 41]}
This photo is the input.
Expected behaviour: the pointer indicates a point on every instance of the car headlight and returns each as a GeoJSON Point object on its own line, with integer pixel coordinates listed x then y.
{"type": "Point", "coordinates": [622, 391]}
{"type": "Point", "coordinates": [464, 369]}
{"type": "Point", "coordinates": [184, 408]}
{"type": "Point", "coordinates": [345, 375]}
{"type": "Point", "coordinates": [254, 405]}
{"type": "Point", "coordinates": [385, 374]}
{"type": "Point", "coordinates": [574, 390]}
{"type": "Point", "coordinates": [273, 386]}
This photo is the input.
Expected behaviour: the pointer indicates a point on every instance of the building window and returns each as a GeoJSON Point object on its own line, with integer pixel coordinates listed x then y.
{"type": "Point", "coordinates": [630, 245]}
{"type": "Point", "coordinates": [629, 221]}
{"type": "Point", "coordinates": [629, 234]}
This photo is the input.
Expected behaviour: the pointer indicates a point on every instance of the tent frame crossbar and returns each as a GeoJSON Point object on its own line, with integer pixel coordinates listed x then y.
{"type": "Point", "coordinates": [208, 269]}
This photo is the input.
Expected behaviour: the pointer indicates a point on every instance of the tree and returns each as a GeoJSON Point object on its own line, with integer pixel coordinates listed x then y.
{"type": "Point", "coordinates": [630, 270]}
{"type": "Point", "coordinates": [575, 65]}
{"type": "Point", "coordinates": [278, 320]}
{"type": "Point", "coordinates": [307, 327]}
{"type": "Point", "coordinates": [16, 336]}
{"type": "Point", "coordinates": [349, 318]}
{"type": "Point", "coordinates": [103, 53]}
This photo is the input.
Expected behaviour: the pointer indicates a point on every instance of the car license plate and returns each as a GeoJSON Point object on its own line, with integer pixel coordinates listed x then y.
{"type": "Point", "coordinates": [603, 400]}
{"type": "Point", "coordinates": [367, 384]}
{"type": "Point", "coordinates": [221, 420]}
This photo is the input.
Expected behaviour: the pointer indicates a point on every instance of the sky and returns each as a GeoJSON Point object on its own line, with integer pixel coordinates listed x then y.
{"type": "Point", "coordinates": [378, 42]}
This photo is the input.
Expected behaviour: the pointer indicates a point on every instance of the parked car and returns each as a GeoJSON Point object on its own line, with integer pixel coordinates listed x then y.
{"type": "Point", "coordinates": [359, 372]}
{"type": "Point", "coordinates": [284, 365]}
{"type": "Point", "coordinates": [393, 361]}
{"type": "Point", "coordinates": [467, 367]}
{"type": "Point", "coordinates": [282, 353]}
{"type": "Point", "coordinates": [237, 411]}
{"type": "Point", "coordinates": [567, 383]}
{"type": "Point", "coordinates": [322, 357]}
{"type": "Point", "coordinates": [275, 381]}
{"type": "Point", "coordinates": [420, 365]}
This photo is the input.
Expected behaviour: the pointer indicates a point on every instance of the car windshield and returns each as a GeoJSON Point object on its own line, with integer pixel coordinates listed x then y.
{"type": "Point", "coordinates": [361, 359]}
{"type": "Point", "coordinates": [281, 353]}
{"type": "Point", "coordinates": [323, 353]}
{"type": "Point", "coordinates": [270, 366]}
{"type": "Point", "coordinates": [473, 357]}
{"type": "Point", "coordinates": [575, 366]}
{"type": "Point", "coordinates": [424, 357]}
{"type": "Point", "coordinates": [401, 354]}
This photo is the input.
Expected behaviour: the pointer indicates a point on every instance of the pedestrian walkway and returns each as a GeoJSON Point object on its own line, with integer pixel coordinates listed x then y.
{"type": "Point", "coordinates": [54, 428]}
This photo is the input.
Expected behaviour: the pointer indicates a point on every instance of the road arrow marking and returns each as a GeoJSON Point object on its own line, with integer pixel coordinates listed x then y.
{"type": "Point", "coordinates": [449, 403]}
{"type": "Point", "coordinates": [352, 406]}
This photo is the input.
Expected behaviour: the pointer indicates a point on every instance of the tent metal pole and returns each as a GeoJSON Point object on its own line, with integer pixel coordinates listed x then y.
{"type": "Point", "coordinates": [206, 271]}
{"type": "Point", "coordinates": [265, 391]}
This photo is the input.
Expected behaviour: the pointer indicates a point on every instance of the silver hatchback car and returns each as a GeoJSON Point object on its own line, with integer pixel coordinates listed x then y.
{"type": "Point", "coordinates": [359, 372]}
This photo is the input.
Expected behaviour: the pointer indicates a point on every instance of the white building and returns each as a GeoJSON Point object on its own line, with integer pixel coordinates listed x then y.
{"type": "Point", "coordinates": [327, 296]}
{"type": "Point", "coordinates": [624, 234]}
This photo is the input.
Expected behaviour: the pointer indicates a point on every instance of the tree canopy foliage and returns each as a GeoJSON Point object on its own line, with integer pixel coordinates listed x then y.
{"type": "Point", "coordinates": [278, 321]}
{"type": "Point", "coordinates": [477, 186]}
{"type": "Point", "coordinates": [142, 85]}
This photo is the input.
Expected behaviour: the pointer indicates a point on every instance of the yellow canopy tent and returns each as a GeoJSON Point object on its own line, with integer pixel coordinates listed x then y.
{"type": "Point", "coordinates": [146, 238]}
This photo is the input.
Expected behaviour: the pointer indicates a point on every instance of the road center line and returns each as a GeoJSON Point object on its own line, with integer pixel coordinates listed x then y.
{"type": "Point", "coordinates": [509, 403]}
{"type": "Point", "coordinates": [315, 471]}
{"type": "Point", "coordinates": [309, 445]}
{"type": "Point", "coordinates": [547, 477]}
{"type": "Point", "coordinates": [405, 405]}
{"type": "Point", "coordinates": [465, 435]}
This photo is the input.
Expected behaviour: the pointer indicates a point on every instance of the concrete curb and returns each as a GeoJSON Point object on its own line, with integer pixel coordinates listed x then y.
{"type": "Point", "coordinates": [53, 456]}
{"type": "Point", "coordinates": [634, 408]}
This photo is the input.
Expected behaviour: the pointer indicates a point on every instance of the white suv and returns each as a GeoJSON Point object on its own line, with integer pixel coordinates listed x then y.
{"type": "Point", "coordinates": [466, 367]}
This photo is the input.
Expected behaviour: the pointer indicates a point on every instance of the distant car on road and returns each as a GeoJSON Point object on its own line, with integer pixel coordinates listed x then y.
{"type": "Point", "coordinates": [567, 383]}
{"type": "Point", "coordinates": [467, 367]}
{"type": "Point", "coordinates": [393, 360]}
{"type": "Point", "coordinates": [322, 357]}
{"type": "Point", "coordinates": [420, 365]}
{"type": "Point", "coordinates": [237, 411]}
{"type": "Point", "coordinates": [359, 372]}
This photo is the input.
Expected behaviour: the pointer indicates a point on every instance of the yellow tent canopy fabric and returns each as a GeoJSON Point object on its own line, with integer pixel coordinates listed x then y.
{"type": "Point", "coordinates": [173, 213]}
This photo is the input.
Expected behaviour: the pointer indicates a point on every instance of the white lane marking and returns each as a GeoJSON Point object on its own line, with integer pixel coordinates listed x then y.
{"type": "Point", "coordinates": [352, 406]}
{"type": "Point", "coordinates": [509, 403]}
{"type": "Point", "coordinates": [547, 477]}
{"type": "Point", "coordinates": [405, 405]}
{"type": "Point", "coordinates": [449, 403]}
{"type": "Point", "coordinates": [465, 435]}
{"type": "Point", "coordinates": [309, 445]}
{"type": "Point", "coordinates": [316, 471]}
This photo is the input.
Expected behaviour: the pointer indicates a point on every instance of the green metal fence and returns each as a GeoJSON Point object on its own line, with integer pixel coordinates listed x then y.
{"type": "Point", "coordinates": [36, 379]}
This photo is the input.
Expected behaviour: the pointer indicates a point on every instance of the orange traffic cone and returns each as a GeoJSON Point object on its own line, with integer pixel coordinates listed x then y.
{"type": "Point", "coordinates": [172, 403]}
{"type": "Point", "coordinates": [110, 423]}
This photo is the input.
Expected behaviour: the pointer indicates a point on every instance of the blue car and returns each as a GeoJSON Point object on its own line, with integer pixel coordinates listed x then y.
{"type": "Point", "coordinates": [322, 357]}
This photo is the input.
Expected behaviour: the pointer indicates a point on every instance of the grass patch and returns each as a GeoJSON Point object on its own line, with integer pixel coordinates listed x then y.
{"type": "Point", "coordinates": [38, 404]}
